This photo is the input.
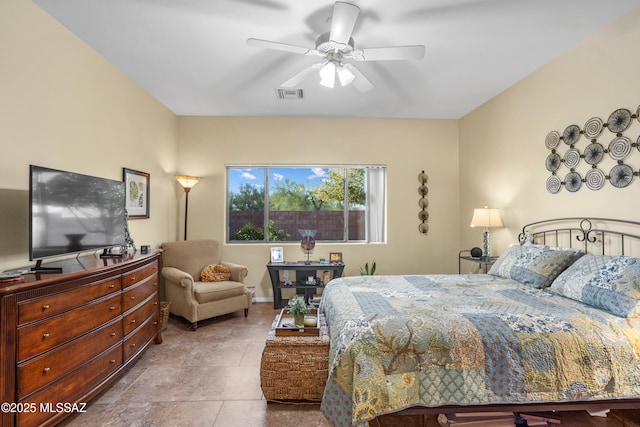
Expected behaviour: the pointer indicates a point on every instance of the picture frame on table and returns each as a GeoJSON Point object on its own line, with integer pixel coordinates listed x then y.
{"type": "Point", "coordinates": [277, 254]}
{"type": "Point", "coordinates": [335, 256]}
{"type": "Point", "coordinates": [137, 193]}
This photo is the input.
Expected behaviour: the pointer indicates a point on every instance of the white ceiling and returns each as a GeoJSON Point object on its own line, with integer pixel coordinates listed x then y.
{"type": "Point", "coordinates": [192, 55]}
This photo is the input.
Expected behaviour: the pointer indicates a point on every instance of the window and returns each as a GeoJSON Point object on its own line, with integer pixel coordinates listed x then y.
{"type": "Point", "coordinates": [273, 203]}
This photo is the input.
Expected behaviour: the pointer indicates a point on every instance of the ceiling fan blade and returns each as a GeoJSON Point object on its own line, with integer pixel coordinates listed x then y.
{"type": "Point", "coordinates": [343, 21]}
{"type": "Point", "coordinates": [394, 53]}
{"type": "Point", "coordinates": [360, 82]}
{"type": "Point", "coordinates": [281, 46]}
{"type": "Point", "coordinates": [298, 78]}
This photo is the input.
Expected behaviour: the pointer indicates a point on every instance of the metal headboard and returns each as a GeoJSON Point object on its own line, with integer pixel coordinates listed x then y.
{"type": "Point", "coordinates": [605, 236]}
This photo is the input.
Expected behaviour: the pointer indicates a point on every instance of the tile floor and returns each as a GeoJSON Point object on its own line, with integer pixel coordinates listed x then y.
{"type": "Point", "coordinates": [211, 378]}
{"type": "Point", "coordinates": [206, 378]}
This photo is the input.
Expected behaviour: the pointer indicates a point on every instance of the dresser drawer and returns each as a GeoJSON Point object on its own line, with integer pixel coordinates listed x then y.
{"type": "Point", "coordinates": [40, 308]}
{"type": "Point", "coordinates": [39, 337]}
{"type": "Point", "coordinates": [136, 341]}
{"type": "Point", "coordinates": [57, 363]}
{"type": "Point", "coordinates": [135, 276]}
{"type": "Point", "coordinates": [134, 319]}
{"type": "Point", "coordinates": [71, 387]}
{"type": "Point", "coordinates": [134, 295]}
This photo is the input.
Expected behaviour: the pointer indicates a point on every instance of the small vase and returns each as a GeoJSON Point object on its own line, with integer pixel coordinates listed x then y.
{"type": "Point", "coordinates": [299, 320]}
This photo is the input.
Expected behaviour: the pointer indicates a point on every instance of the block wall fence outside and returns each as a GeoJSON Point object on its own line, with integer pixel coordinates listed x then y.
{"type": "Point", "coordinates": [328, 223]}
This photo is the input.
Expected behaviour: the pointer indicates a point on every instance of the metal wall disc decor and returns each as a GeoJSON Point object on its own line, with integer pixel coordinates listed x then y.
{"type": "Point", "coordinates": [572, 158]}
{"type": "Point", "coordinates": [573, 181]}
{"type": "Point", "coordinates": [553, 162]}
{"type": "Point", "coordinates": [553, 184]}
{"type": "Point", "coordinates": [606, 158]}
{"type": "Point", "coordinates": [593, 153]}
{"type": "Point", "coordinates": [423, 203]}
{"type": "Point", "coordinates": [571, 134]}
{"type": "Point", "coordinates": [620, 148]}
{"type": "Point", "coordinates": [593, 127]}
{"type": "Point", "coordinates": [619, 120]}
{"type": "Point", "coordinates": [552, 139]}
{"type": "Point", "coordinates": [621, 175]}
{"type": "Point", "coordinates": [594, 179]}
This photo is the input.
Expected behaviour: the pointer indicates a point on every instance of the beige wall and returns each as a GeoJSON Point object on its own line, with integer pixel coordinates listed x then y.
{"type": "Point", "coordinates": [407, 147]}
{"type": "Point", "coordinates": [502, 143]}
{"type": "Point", "coordinates": [64, 106]}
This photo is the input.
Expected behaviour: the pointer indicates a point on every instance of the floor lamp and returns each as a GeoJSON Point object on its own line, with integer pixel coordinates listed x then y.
{"type": "Point", "coordinates": [187, 182]}
{"type": "Point", "coordinates": [487, 218]}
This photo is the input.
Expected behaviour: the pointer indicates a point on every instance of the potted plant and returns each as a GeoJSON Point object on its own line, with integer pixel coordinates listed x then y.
{"type": "Point", "coordinates": [298, 308]}
{"type": "Point", "coordinates": [366, 271]}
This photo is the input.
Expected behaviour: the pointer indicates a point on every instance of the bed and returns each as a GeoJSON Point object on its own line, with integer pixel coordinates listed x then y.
{"type": "Point", "coordinates": [555, 325]}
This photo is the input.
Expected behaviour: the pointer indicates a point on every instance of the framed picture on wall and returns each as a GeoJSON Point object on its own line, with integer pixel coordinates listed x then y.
{"type": "Point", "coordinates": [136, 189]}
{"type": "Point", "coordinates": [277, 255]}
{"type": "Point", "coordinates": [335, 256]}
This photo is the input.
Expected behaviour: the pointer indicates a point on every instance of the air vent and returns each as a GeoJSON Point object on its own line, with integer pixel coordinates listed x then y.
{"type": "Point", "coordinates": [289, 93]}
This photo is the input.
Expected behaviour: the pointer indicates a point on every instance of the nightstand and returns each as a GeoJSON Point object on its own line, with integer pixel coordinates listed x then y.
{"type": "Point", "coordinates": [485, 261]}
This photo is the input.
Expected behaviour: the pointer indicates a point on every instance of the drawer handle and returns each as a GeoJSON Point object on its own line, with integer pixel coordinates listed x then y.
{"type": "Point", "coordinates": [133, 297]}
{"type": "Point", "coordinates": [155, 323]}
{"type": "Point", "coordinates": [133, 320]}
{"type": "Point", "coordinates": [45, 335]}
{"type": "Point", "coordinates": [45, 307]}
{"type": "Point", "coordinates": [45, 370]}
{"type": "Point", "coordinates": [113, 334]}
{"type": "Point", "coordinates": [112, 361]}
{"type": "Point", "coordinates": [155, 303]}
{"type": "Point", "coordinates": [112, 286]}
{"type": "Point", "coordinates": [133, 344]}
{"type": "Point", "coordinates": [155, 284]}
{"type": "Point", "coordinates": [132, 279]}
{"type": "Point", "coordinates": [112, 308]}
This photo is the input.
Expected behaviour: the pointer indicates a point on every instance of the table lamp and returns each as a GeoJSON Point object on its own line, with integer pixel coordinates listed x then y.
{"type": "Point", "coordinates": [487, 218]}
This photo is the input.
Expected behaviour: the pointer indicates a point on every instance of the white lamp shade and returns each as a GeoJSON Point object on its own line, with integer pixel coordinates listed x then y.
{"type": "Point", "coordinates": [186, 181]}
{"type": "Point", "coordinates": [328, 75]}
{"type": "Point", "coordinates": [345, 76]}
{"type": "Point", "coordinates": [486, 217]}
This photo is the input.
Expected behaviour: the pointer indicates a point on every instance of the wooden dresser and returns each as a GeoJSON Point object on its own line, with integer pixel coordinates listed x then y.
{"type": "Point", "coordinates": [65, 337]}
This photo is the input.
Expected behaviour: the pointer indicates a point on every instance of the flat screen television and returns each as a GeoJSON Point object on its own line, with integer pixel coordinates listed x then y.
{"type": "Point", "coordinates": [71, 213]}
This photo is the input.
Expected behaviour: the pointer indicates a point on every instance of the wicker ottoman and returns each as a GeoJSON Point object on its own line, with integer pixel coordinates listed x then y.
{"type": "Point", "coordinates": [295, 368]}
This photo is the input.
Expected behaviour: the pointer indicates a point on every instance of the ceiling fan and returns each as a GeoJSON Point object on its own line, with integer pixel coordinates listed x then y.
{"type": "Point", "coordinates": [337, 46]}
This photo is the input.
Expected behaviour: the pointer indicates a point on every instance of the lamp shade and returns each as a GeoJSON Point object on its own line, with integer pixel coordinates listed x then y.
{"type": "Point", "coordinates": [187, 182]}
{"type": "Point", "coordinates": [486, 217]}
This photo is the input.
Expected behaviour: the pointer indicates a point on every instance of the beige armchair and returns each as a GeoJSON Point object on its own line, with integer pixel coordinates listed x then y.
{"type": "Point", "coordinates": [195, 300]}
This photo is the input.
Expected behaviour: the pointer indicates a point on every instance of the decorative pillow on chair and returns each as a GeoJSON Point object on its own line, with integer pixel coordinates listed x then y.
{"type": "Point", "coordinates": [533, 265]}
{"type": "Point", "coordinates": [215, 273]}
{"type": "Point", "coordinates": [611, 283]}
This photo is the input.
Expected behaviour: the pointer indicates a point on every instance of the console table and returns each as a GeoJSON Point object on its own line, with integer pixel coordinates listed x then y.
{"type": "Point", "coordinates": [302, 270]}
{"type": "Point", "coordinates": [66, 336]}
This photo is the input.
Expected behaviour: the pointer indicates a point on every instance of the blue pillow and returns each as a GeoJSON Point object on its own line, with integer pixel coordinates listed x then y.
{"type": "Point", "coordinates": [533, 265]}
{"type": "Point", "coordinates": [611, 283]}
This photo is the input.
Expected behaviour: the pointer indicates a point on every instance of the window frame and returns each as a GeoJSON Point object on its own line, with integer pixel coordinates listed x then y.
{"type": "Point", "coordinates": [345, 233]}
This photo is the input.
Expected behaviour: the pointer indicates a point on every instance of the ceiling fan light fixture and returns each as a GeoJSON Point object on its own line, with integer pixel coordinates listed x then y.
{"type": "Point", "coordinates": [328, 75]}
{"type": "Point", "coordinates": [345, 76]}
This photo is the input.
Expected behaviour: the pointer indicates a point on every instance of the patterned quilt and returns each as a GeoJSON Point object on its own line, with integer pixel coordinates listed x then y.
{"type": "Point", "coordinates": [432, 340]}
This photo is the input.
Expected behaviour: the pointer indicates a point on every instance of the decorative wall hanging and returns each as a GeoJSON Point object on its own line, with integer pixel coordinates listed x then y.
{"type": "Point", "coordinates": [423, 203]}
{"type": "Point", "coordinates": [600, 153]}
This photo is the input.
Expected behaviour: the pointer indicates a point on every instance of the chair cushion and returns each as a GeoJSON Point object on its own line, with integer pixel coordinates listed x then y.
{"type": "Point", "coordinates": [216, 291]}
{"type": "Point", "coordinates": [215, 273]}
{"type": "Point", "coordinates": [190, 255]}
